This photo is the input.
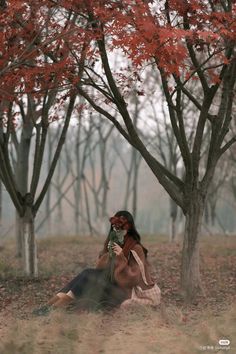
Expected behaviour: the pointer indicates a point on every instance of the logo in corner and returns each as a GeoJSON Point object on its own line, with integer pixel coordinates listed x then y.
{"type": "Point", "coordinates": [224, 342]}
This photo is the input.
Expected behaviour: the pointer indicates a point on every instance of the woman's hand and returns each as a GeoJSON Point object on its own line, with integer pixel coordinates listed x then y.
{"type": "Point", "coordinates": [116, 249]}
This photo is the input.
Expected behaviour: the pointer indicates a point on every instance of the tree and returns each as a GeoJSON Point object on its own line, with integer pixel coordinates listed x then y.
{"type": "Point", "coordinates": [92, 164]}
{"type": "Point", "coordinates": [0, 204]}
{"type": "Point", "coordinates": [183, 41]}
{"type": "Point", "coordinates": [24, 197]}
{"type": "Point", "coordinates": [131, 167]}
{"type": "Point", "coordinates": [164, 144]}
{"type": "Point", "coordinates": [34, 50]}
{"type": "Point", "coordinates": [222, 174]}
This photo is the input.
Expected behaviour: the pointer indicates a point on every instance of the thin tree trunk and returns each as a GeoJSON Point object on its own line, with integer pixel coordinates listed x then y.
{"type": "Point", "coordinates": [58, 191]}
{"type": "Point", "coordinates": [190, 272]}
{"type": "Point", "coordinates": [48, 195]}
{"type": "Point", "coordinates": [18, 233]}
{"type": "Point", "coordinates": [77, 189]}
{"type": "Point", "coordinates": [213, 213]}
{"type": "Point", "coordinates": [22, 170]}
{"type": "Point", "coordinates": [62, 195]}
{"type": "Point", "coordinates": [29, 243]}
{"type": "Point", "coordinates": [173, 229]}
{"type": "Point", "coordinates": [137, 161]}
{"type": "Point", "coordinates": [173, 217]}
{"type": "Point", "coordinates": [87, 208]}
{"type": "Point", "coordinates": [0, 203]}
{"type": "Point", "coordinates": [104, 177]}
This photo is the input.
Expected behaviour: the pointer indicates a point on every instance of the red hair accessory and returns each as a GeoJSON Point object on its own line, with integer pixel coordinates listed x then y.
{"type": "Point", "coordinates": [120, 222]}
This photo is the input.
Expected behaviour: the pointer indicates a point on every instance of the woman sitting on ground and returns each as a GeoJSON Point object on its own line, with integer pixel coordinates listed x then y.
{"type": "Point", "coordinates": [121, 275]}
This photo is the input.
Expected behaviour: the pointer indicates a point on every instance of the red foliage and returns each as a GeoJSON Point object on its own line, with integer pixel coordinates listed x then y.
{"type": "Point", "coordinates": [42, 42]}
{"type": "Point", "coordinates": [36, 48]}
{"type": "Point", "coordinates": [120, 222]}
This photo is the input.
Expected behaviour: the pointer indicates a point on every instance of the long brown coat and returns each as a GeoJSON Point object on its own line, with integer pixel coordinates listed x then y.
{"type": "Point", "coordinates": [127, 272]}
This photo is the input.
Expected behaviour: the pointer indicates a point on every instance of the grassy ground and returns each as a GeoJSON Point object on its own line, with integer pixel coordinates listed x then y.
{"type": "Point", "coordinates": [173, 328]}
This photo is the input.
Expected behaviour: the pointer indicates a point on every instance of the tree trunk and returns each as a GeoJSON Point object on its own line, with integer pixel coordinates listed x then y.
{"type": "Point", "coordinates": [58, 193]}
{"type": "Point", "coordinates": [173, 217]}
{"type": "Point", "coordinates": [22, 170]}
{"type": "Point", "coordinates": [172, 235]}
{"type": "Point", "coordinates": [190, 272]}
{"type": "Point", "coordinates": [48, 195]}
{"type": "Point", "coordinates": [18, 233]}
{"type": "Point", "coordinates": [0, 203]}
{"type": "Point", "coordinates": [77, 189]}
{"type": "Point", "coordinates": [29, 243]}
{"type": "Point", "coordinates": [19, 239]}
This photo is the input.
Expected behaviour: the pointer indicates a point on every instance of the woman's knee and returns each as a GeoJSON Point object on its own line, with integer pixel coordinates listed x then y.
{"type": "Point", "coordinates": [86, 273]}
{"type": "Point", "coordinates": [61, 295]}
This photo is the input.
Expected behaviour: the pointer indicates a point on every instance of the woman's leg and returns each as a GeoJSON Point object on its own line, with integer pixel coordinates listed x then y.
{"type": "Point", "coordinates": [63, 299]}
{"type": "Point", "coordinates": [89, 287]}
{"type": "Point", "coordinates": [77, 284]}
{"type": "Point", "coordinates": [53, 300]}
{"type": "Point", "coordinates": [77, 288]}
{"type": "Point", "coordinates": [113, 295]}
{"type": "Point", "coordinates": [88, 279]}
{"type": "Point", "coordinates": [65, 295]}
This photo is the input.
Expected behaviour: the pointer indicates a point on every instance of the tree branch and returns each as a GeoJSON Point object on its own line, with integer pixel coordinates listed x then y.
{"type": "Point", "coordinates": [57, 153]}
{"type": "Point", "coordinates": [227, 146]}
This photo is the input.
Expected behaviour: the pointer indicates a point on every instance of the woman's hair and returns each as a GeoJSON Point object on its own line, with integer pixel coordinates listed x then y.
{"type": "Point", "coordinates": [132, 231]}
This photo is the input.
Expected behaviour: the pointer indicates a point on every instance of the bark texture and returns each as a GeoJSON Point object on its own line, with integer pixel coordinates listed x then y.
{"type": "Point", "coordinates": [29, 243]}
{"type": "Point", "coordinates": [190, 271]}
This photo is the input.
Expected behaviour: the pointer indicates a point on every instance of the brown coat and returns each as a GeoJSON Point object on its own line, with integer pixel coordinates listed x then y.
{"type": "Point", "coordinates": [127, 271]}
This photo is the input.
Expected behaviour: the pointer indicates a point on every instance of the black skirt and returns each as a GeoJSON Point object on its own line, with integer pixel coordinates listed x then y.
{"type": "Point", "coordinates": [93, 290]}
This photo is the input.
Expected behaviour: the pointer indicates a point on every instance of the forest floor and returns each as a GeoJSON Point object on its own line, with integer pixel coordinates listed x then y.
{"type": "Point", "coordinates": [172, 328]}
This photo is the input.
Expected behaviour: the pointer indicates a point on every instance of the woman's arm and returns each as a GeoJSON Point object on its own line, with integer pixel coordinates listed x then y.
{"type": "Point", "coordinates": [103, 261]}
{"type": "Point", "coordinates": [103, 257]}
{"type": "Point", "coordinates": [127, 272]}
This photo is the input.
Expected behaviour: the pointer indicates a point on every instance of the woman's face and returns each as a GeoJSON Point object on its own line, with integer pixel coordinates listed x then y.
{"type": "Point", "coordinates": [119, 223]}
{"type": "Point", "coordinates": [120, 234]}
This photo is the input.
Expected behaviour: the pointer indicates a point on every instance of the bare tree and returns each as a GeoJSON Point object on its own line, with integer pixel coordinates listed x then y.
{"type": "Point", "coordinates": [24, 196]}
{"type": "Point", "coordinates": [214, 106]}
{"type": "Point", "coordinates": [163, 143]}
{"type": "Point", "coordinates": [92, 165]}
{"type": "Point", "coordinates": [221, 177]}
